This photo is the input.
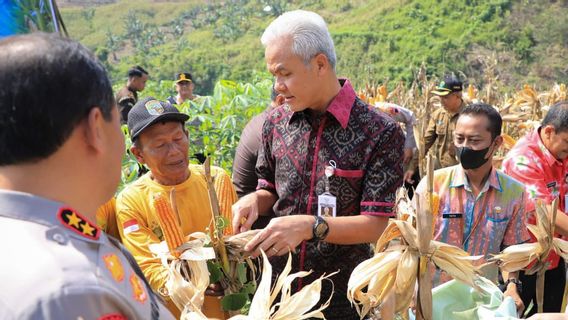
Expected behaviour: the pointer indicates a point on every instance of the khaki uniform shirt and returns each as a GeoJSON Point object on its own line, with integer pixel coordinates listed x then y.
{"type": "Point", "coordinates": [440, 135]}
{"type": "Point", "coordinates": [58, 265]}
{"type": "Point", "coordinates": [126, 99]}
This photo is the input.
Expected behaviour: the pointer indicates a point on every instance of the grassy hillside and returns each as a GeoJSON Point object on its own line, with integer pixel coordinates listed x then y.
{"type": "Point", "coordinates": [376, 40]}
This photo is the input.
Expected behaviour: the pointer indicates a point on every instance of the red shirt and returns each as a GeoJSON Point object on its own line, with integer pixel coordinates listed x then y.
{"type": "Point", "coordinates": [544, 176]}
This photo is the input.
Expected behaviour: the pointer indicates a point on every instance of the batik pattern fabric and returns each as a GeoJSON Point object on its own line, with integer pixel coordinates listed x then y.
{"type": "Point", "coordinates": [364, 145]}
{"type": "Point", "coordinates": [481, 225]}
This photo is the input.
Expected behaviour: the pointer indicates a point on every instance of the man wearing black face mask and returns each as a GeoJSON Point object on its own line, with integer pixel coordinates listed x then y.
{"type": "Point", "coordinates": [481, 209]}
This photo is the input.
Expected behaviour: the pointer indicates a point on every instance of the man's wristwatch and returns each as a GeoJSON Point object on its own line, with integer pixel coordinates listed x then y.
{"type": "Point", "coordinates": [320, 229]}
{"type": "Point", "coordinates": [517, 282]}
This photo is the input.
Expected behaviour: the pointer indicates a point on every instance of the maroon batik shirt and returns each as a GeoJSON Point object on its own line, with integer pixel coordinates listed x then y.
{"type": "Point", "coordinates": [366, 146]}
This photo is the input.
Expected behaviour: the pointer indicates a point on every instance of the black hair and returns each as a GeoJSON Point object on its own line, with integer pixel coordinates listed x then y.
{"type": "Point", "coordinates": [48, 84]}
{"type": "Point", "coordinates": [557, 116]}
{"type": "Point", "coordinates": [136, 71]}
{"type": "Point", "coordinates": [495, 121]}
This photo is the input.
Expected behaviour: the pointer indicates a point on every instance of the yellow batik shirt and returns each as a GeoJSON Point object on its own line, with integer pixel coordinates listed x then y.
{"type": "Point", "coordinates": [139, 225]}
{"type": "Point", "coordinates": [106, 218]}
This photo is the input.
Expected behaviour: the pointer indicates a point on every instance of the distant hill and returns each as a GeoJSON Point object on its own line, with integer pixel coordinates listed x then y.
{"type": "Point", "coordinates": [523, 41]}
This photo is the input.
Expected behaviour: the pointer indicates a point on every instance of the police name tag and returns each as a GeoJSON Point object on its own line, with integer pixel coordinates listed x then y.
{"type": "Point", "coordinates": [327, 204]}
{"type": "Point", "coordinates": [452, 215]}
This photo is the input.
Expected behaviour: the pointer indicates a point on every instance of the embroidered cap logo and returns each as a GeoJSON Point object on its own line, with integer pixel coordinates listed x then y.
{"type": "Point", "coordinates": [154, 107]}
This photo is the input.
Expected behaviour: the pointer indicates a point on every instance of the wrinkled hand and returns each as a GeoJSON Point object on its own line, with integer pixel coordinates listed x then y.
{"type": "Point", "coordinates": [282, 235]}
{"type": "Point", "coordinates": [408, 176]}
{"type": "Point", "coordinates": [408, 153]}
{"type": "Point", "coordinates": [215, 290]}
{"type": "Point", "coordinates": [512, 292]}
{"type": "Point", "coordinates": [245, 213]}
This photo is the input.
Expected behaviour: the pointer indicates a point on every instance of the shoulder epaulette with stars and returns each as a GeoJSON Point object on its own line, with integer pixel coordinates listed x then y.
{"type": "Point", "coordinates": [74, 221]}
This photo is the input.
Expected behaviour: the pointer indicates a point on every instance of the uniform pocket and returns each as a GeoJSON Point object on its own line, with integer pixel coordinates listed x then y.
{"type": "Point", "coordinates": [495, 232]}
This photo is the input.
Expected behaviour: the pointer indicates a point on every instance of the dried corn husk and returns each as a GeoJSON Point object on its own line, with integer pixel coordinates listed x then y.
{"type": "Point", "coordinates": [508, 141]}
{"type": "Point", "coordinates": [188, 276]}
{"type": "Point", "coordinates": [556, 94]}
{"type": "Point", "coordinates": [235, 244]}
{"type": "Point", "coordinates": [402, 255]}
{"type": "Point", "coordinates": [526, 101]}
{"type": "Point", "coordinates": [532, 256]}
{"type": "Point", "coordinates": [470, 95]}
{"type": "Point", "coordinates": [296, 306]}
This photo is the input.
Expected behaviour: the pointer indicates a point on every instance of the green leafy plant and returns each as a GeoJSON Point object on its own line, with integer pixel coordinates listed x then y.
{"type": "Point", "coordinates": [223, 117]}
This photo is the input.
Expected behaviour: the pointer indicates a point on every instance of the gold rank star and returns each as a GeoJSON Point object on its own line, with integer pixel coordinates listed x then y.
{"type": "Point", "coordinates": [74, 220]}
{"type": "Point", "coordinates": [87, 229]}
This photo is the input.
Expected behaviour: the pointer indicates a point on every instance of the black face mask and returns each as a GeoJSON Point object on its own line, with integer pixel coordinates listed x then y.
{"type": "Point", "coordinates": [472, 159]}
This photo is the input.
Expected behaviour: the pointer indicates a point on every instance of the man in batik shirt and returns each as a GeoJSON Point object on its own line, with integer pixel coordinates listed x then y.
{"type": "Point", "coordinates": [324, 148]}
{"type": "Point", "coordinates": [481, 209]}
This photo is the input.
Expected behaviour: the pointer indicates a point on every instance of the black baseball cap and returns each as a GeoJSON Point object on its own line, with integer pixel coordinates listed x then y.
{"type": "Point", "coordinates": [448, 85]}
{"type": "Point", "coordinates": [184, 76]}
{"type": "Point", "coordinates": [149, 111]}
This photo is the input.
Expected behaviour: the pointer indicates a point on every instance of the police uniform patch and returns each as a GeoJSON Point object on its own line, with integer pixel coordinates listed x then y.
{"type": "Point", "coordinates": [113, 264]}
{"type": "Point", "coordinates": [74, 221]}
{"type": "Point", "coordinates": [138, 289]}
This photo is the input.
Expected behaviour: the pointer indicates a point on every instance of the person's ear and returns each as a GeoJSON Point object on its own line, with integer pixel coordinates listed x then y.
{"type": "Point", "coordinates": [321, 62]}
{"type": "Point", "coordinates": [498, 141]}
{"type": "Point", "coordinates": [548, 131]}
{"type": "Point", "coordinates": [495, 144]}
{"type": "Point", "coordinates": [93, 129]}
{"type": "Point", "coordinates": [137, 152]}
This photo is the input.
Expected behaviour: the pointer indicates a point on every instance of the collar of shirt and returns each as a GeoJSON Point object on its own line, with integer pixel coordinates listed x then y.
{"type": "Point", "coordinates": [459, 180]}
{"type": "Point", "coordinates": [340, 106]}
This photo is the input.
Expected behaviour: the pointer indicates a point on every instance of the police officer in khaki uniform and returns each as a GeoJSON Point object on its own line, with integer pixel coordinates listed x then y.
{"type": "Point", "coordinates": [60, 159]}
{"type": "Point", "coordinates": [127, 96]}
{"type": "Point", "coordinates": [440, 130]}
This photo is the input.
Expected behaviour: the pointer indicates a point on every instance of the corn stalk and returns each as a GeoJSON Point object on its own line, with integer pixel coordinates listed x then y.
{"type": "Point", "coordinates": [403, 256]}
{"type": "Point", "coordinates": [217, 233]}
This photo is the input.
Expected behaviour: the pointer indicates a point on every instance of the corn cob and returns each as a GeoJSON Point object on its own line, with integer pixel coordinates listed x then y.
{"type": "Point", "coordinates": [169, 224]}
{"type": "Point", "coordinates": [508, 141]}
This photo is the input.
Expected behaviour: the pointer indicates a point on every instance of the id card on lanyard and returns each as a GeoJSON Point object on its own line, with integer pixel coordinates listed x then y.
{"type": "Point", "coordinates": [327, 202]}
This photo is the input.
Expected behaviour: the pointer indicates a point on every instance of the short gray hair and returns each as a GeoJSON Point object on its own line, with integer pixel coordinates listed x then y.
{"type": "Point", "coordinates": [309, 33]}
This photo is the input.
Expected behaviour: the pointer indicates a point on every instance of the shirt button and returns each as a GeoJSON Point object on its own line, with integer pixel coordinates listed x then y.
{"type": "Point", "coordinates": [57, 235]}
{"type": "Point", "coordinates": [59, 238]}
